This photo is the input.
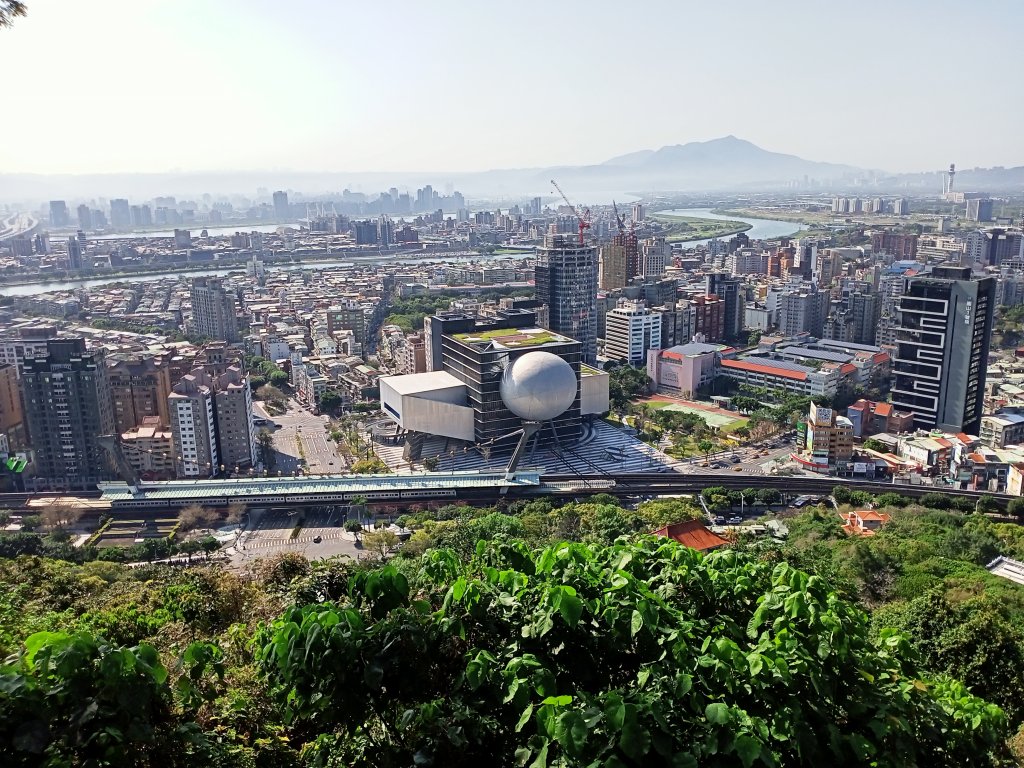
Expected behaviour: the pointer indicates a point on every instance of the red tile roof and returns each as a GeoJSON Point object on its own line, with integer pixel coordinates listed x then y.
{"type": "Point", "coordinates": [883, 409]}
{"type": "Point", "coordinates": [745, 365]}
{"type": "Point", "coordinates": [692, 534]}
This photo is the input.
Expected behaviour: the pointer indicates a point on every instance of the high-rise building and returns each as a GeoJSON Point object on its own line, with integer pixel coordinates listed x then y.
{"type": "Point", "coordinates": [385, 231]}
{"type": "Point", "coordinates": [613, 267]}
{"type": "Point", "coordinates": [708, 318]}
{"type": "Point", "coordinates": [366, 232]}
{"type": "Point", "coordinates": [66, 398]}
{"type": "Point", "coordinates": [76, 248]}
{"type": "Point", "coordinates": [120, 214]}
{"type": "Point", "coordinates": [213, 310]}
{"type": "Point", "coordinates": [236, 434]}
{"type": "Point", "coordinates": [12, 417]}
{"type": "Point", "coordinates": [141, 216]}
{"type": "Point", "coordinates": [631, 329]}
{"type": "Point", "coordinates": [281, 209]}
{"type": "Point", "coordinates": [639, 214]}
{"type": "Point", "coordinates": [900, 245]}
{"type": "Point", "coordinates": [182, 239]}
{"type": "Point", "coordinates": [535, 206]}
{"type": "Point", "coordinates": [979, 209]}
{"type": "Point", "coordinates": [945, 325]}
{"type": "Point", "coordinates": [84, 218]}
{"type": "Point", "coordinates": [803, 310]}
{"type": "Point", "coordinates": [655, 256]}
{"type": "Point", "coordinates": [192, 424]}
{"type": "Point", "coordinates": [730, 290]}
{"type": "Point", "coordinates": [139, 388]}
{"type": "Point", "coordinates": [59, 215]}
{"type": "Point", "coordinates": [347, 316]}
{"type": "Point", "coordinates": [566, 280]}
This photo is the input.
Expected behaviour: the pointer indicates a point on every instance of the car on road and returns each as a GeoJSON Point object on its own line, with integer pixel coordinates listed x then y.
{"type": "Point", "coordinates": [737, 469]}
{"type": "Point", "coordinates": [719, 520]}
{"type": "Point", "coordinates": [735, 459]}
{"type": "Point", "coordinates": [734, 520]}
{"type": "Point", "coordinates": [317, 539]}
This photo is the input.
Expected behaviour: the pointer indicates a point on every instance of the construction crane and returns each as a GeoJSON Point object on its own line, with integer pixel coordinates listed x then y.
{"type": "Point", "coordinates": [582, 215]}
{"type": "Point", "coordinates": [618, 219]}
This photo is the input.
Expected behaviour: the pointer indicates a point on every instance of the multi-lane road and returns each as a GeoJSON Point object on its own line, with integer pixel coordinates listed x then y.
{"type": "Point", "coordinates": [298, 436]}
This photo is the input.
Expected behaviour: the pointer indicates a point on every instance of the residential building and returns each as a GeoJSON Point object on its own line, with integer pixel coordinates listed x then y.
{"type": "Point", "coordinates": [236, 434]}
{"type": "Point", "coordinates": [869, 418]}
{"type": "Point", "coordinates": [213, 310]}
{"type": "Point", "coordinates": [979, 209]}
{"type": "Point", "coordinates": [613, 267]}
{"type": "Point", "coordinates": [864, 522]}
{"type": "Point", "coordinates": [139, 388]}
{"type": "Point", "coordinates": [12, 417]}
{"type": "Point", "coordinates": [566, 281]}
{"type": "Point", "coordinates": [282, 211]}
{"type": "Point", "coordinates": [1003, 428]}
{"type": "Point", "coordinates": [803, 310]}
{"type": "Point", "coordinates": [631, 330]}
{"type": "Point", "coordinates": [900, 245]}
{"type": "Point", "coordinates": [730, 290]}
{"type": "Point", "coordinates": [120, 214]}
{"type": "Point", "coordinates": [347, 315]}
{"type": "Point", "coordinates": [149, 449]}
{"type": "Point", "coordinates": [84, 218]}
{"type": "Point", "coordinates": [191, 405]}
{"type": "Point", "coordinates": [945, 325]}
{"type": "Point", "coordinates": [708, 318]}
{"type": "Point", "coordinates": [66, 397]}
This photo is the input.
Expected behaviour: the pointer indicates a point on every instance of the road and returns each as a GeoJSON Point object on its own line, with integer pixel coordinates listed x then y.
{"type": "Point", "coordinates": [269, 533]}
{"type": "Point", "coordinates": [298, 426]}
{"type": "Point", "coordinates": [752, 460]}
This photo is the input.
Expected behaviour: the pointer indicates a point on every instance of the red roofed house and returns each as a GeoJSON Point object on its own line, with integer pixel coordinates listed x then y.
{"type": "Point", "coordinates": [870, 418]}
{"type": "Point", "coordinates": [692, 534]}
{"type": "Point", "coordinates": [864, 522]}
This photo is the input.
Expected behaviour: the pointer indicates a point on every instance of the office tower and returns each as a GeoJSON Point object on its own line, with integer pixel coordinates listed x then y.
{"type": "Point", "coordinates": [385, 231]}
{"type": "Point", "coordinates": [12, 417]}
{"type": "Point", "coordinates": [213, 310]}
{"type": "Point", "coordinates": [190, 405]}
{"type": "Point", "coordinates": [900, 207]}
{"type": "Point", "coordinates": [120, 214]}
{"type": "Point", "coordinates": [59, 216]}
{"type": "Point", "coordinates": [998, 247]}
{"type": "Point", "coordinates": [84, 218]}
{"type": "Point", "coordinates": [945, 324]}
{"type": "Point", "coordinates": [730, 290]}
{"type": "Point", "coordinates": [139, 388]}
{"type": "Point", "coordinates": [281, 209]}
{"type": "Point", "coordinates": [236, 434]}
{"type": "Point", "coordinates": [347, 316]}
{"type": "Point", "coordinates": [566, 280]}
{"type": "Point", "coordinates": [979, 209]}
{"type": "Point", "coordinates": [630, 330]}
{"type": "Point", "coordinates": [639, 214]}
{"type": "Point", "coordinates": [66, 398]}
{"type": "Point", "coordinates": [803, 310]}
{"type": "Point", "coordinates": [535, 206]}
{"type": "Point", "coordinates": [366, 232]}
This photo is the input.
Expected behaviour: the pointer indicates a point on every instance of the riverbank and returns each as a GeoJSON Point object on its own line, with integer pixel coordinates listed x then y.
{"type": "Point", "coordinates": [685, 229]}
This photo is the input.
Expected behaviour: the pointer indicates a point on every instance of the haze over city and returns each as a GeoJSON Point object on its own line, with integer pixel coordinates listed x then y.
{"type": "Point", "coordinates": [252, 85]}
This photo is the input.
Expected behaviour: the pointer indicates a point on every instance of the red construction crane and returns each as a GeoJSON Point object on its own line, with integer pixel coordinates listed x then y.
{"type": "Point", "coordinates": [582, 215]}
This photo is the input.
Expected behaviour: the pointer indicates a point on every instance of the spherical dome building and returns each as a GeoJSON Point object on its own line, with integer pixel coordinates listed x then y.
{"type": "Point", "coordinates": [538, 386]}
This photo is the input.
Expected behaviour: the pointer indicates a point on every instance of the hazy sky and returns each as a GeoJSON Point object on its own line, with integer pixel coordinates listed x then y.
{"type": "Point", "coordinates": [334, 85]}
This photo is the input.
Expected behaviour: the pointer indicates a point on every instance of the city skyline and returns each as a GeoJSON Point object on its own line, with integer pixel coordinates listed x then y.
{"type": "Point", "coordinates": [332, 99]}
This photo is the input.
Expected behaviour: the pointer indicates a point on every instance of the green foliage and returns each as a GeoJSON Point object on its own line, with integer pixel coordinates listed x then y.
{"type": "Point", "coordinates": [330, 401]}
{"type": "Point", "coordinates": [371, 466]}
{"type": "Point", "coordinates": [626, 383]}
{"type": "Point", "coordinates": [632, 654]}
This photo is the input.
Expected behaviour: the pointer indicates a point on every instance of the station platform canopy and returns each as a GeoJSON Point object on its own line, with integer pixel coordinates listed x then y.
{"type": "Point", "coordinates": [254, 488]}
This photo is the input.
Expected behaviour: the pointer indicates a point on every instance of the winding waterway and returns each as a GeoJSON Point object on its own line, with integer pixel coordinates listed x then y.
{"type": "Point", "coordinates": [760, 229]}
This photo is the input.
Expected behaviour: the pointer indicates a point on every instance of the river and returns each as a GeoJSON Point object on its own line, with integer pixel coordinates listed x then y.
{"type": "Point", "coordinates": [760, 229]}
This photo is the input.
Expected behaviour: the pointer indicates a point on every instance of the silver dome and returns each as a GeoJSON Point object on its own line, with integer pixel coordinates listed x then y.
{"type": "Point", "coordinates": [538, 386]}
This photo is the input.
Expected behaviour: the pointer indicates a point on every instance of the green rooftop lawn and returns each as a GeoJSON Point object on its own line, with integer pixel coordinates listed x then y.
{"type": "Point", "coordinates": [511, 337]}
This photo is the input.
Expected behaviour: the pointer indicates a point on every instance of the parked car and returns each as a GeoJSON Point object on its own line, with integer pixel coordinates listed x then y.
{"type": "Point", "coordinates": [735, 520]}
{"type": "Point", "coordinates": [735, 459]}
{"type": "Point", "coordinates": [719, 520]}
{"type": "Point", "coordinates": [317, 539]}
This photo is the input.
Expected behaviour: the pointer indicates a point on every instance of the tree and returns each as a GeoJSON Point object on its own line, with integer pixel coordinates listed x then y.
{"type": "Point", "coordinates": [31, 522]}
{"type": "Point", "coordinates": [355, 527]}
{"type": "Point", "coordinates": [1016, 507]}
{"type": "Point", "coordinates": [330, 401]}
{"type": "Point", "coordinates": [380, 542]}
{"type": "Point", "coordinates": [236, 511]}
{"type": "Point", "coordinates": [706, 447]}
{"type": "Point", "coordinates": [642, 653]}
{"type": "Point", "coordinates": [58, 514]}
{"type": "Point", "coordinates": [195, 516]}
{"type": "Point", "coordinates": [5, 518]}
{"type": "Point", "coordinates": [371, 466]}
{"type": "Point", "coordinates": [431, 463]}
{"type": "Point", "coordinates": [875, 445]}
{"type": "Point", "coordinates": [9, 9]}
{"type": "Point", "coordinates": [278, 379]}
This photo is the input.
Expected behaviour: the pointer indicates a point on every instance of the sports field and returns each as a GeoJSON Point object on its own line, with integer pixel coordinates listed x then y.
{"type": "Point", "coordinates": [713, 417]}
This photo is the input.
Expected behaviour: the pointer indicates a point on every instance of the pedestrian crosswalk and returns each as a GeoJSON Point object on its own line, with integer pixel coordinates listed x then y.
{"type": "Point", "coordinates": [277, 543]}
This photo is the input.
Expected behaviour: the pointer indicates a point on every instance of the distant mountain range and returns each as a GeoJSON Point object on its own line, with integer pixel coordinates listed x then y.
{"type": "Point", "coordinates": [720, 165]}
